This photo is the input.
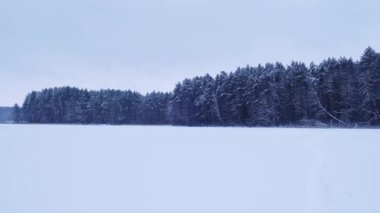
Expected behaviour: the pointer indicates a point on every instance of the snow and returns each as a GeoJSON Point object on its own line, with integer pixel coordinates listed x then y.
{"type": "Point", "coordinates": [163, 169]}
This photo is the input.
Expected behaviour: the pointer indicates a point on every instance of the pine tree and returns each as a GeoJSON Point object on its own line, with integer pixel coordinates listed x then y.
{"type": "Point", "coordinates": [369, 80]}
{"type": "Point", "coordinates": [16, 114]}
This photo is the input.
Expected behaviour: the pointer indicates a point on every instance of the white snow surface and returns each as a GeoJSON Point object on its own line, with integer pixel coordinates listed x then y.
{"type": "Point", "coordinates": [164, 169]}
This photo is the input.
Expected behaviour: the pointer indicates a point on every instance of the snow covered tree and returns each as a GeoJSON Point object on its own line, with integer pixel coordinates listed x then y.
{"type": "Point", "coordinates": [335, 92]}
{"type": "Point", "coordinates": [17, 114]}
{"type": "Point", "coordinates": [369, 86]}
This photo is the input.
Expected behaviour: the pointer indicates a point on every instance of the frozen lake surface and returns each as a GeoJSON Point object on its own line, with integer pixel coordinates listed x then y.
{"type": "Point", "coordinates": [163, 169]}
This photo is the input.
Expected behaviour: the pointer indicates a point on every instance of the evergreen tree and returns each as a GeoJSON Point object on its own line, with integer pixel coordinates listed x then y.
{"type": "Point", "coordinates": [335, 92]}
{"type": "Point", "coordinates": [16, 114]}
{"type": "Point", "coordinates": [369, 80]}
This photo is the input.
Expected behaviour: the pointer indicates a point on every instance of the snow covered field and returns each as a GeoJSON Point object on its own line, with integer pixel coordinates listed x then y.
{"type": "Point", "coordinates": [97, 169]}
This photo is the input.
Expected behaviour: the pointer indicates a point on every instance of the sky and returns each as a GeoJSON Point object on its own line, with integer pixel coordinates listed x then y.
{"type": "Point", "coordinates": [148, 45]}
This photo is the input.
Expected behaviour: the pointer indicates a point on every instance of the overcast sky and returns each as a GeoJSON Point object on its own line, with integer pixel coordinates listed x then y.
{"type": "Point", "coordinates": [150, 45]}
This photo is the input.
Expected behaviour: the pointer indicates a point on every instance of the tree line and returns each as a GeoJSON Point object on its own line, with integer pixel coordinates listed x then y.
{"type": "Point", "coordinates": [336, 92]}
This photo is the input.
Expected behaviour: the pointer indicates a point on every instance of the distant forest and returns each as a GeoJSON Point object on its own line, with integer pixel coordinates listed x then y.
{"type": "Point", "coordinates": [337, 92]}
{"type": "Point", "coordinates": [6, 114]}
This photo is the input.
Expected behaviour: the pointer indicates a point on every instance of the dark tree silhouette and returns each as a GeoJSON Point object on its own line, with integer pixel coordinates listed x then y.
{"type": "Point", "coordinates": [336, 92]}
